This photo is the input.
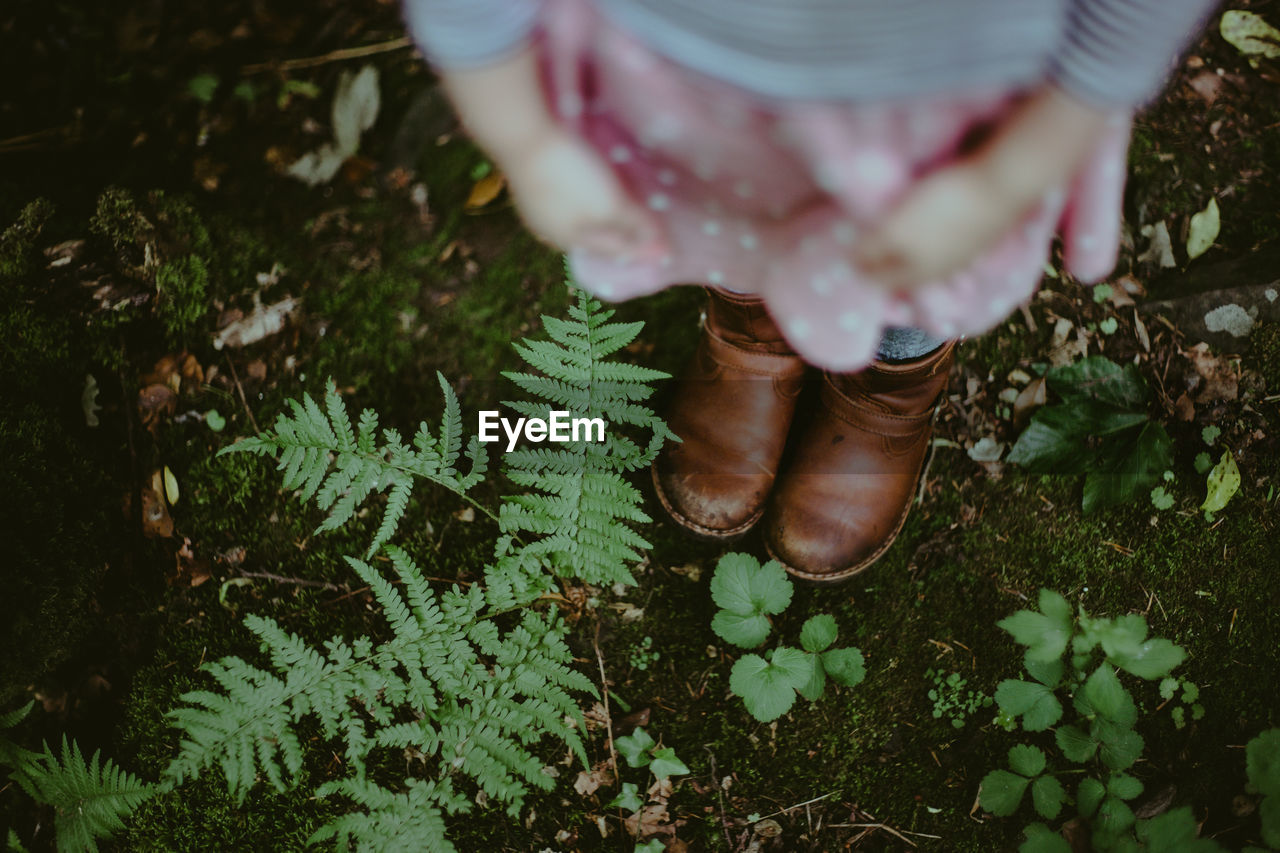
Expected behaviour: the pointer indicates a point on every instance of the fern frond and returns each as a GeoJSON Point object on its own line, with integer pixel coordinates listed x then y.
{"type": "Point", "coordinates": [581, 505]}
{"type": "Point", "coordinates": [393, 822]}
{"type": "Point", "coordinates": [325, 459]}
{"type": "Point", "coordinates": [90, 799]}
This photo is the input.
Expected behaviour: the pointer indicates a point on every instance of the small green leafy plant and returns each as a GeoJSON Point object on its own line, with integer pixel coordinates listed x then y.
{"type": "Point", "coordinates": [953, 699]}
{"type": "Point", "coordinates": [1076, 655]}
{"type": "Point", "coordinates": [1262, 764]}
{"type": "Point", "coordinates": [642, 655]}
{"type": "Point", "coordinates": [747, 594]}
{"type": "Point", "coordinates": [1100, 429]}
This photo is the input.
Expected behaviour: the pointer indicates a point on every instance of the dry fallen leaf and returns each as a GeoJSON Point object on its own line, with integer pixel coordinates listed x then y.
{"type": "Point", "coordinates": [485, 190]}
{"type": "Point", "coordinates": [263, 321]}
{"type": "Point", "coordinates": [156, 521]}
{"type": "Point", "coordinates": [588, 782]}
{"type": "Point", "coordinates": [1029, 399]}
{"type": "Point", "coordinates": [153, 401]}
{"type": "Point", "coordinates": [1219, 381]}
{"type": "Point", "coordinates": [1160, 249]}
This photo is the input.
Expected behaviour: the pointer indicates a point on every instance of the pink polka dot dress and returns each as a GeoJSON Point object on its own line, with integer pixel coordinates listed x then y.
{"type": "Point", "coordinates": [767, 196]}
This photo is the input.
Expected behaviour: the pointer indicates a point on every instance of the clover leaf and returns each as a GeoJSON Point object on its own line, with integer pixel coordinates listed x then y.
{"type": "Point", "coordinates": [741, 585]}
{"type": "Point", "coordinates": [1048, 795]}
{"type": "Point", "coordinates": [1042, 839]}
{"type": "Point", "coordinates": [768, 688]}
{"type": "Point", "coordinates": [1035, 703]}
{"type": "Point", "coordinates": [745, 631]}
{"type": "Point", "coordinates": [845, 666]}
{"type": "Point", "coordinates": [818, 632]}
{"type": "Point", "coordinates": [1001, 792]}
{"type": "Point", "coordinates": [1045, 634]}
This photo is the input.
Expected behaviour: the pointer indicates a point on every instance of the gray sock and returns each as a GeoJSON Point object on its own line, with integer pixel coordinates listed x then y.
{"type": "Point", "coordinates": [905, 344]}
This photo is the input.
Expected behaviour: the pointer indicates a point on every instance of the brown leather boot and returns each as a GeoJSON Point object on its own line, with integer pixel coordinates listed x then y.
{"type": "Point", "coordinates": [732, 409]}
{"type": "Point", "coordinates": [842, 500]}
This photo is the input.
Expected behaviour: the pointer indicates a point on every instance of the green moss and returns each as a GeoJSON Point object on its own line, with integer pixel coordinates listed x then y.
{"type": "Point", "coordinates": [182, 290]}
{"type": "Point", "coordinates": [1265, 354]}
{"type": "Point", "coordinates": [118, 219]}
{"type": "Point", "coordinates": [19, 254]}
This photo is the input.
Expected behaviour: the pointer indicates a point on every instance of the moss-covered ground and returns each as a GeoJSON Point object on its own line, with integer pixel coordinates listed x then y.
{"type": "Point", "coordinates": [184, 215]}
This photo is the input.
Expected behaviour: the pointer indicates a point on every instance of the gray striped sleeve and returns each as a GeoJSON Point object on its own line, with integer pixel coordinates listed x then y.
{"type": "Point", "coordinates": [1118, 53]}
{"type": "Point", "coordinates": [459, 34]}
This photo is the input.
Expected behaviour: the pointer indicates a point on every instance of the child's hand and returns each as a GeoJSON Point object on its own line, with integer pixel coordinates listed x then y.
{"type": "Point", "coordinates": [571, 198]}
{"type": "Point", "coordinates": [565, 191]}
{"type": "Point", "coordinates": [951, 216]}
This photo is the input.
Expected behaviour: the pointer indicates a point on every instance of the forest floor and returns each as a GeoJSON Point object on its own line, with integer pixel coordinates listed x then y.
{"type": "Point", "coordinates": [159, 138]}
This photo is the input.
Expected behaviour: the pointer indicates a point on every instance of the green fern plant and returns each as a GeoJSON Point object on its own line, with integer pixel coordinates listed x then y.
{"type": "Point", "coordinates": [582, 483]}
{"type": "Point", "coordinates": [469, 682]}
{"type": "Point", "coordinates": [324, 458]}
{"type": "Point", "coordinates": [90, 799]}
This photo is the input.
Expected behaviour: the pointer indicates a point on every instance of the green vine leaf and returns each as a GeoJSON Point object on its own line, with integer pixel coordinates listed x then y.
{"type": "Point", "coordinates": [628, 799]}
{"type": "Point", "coordinates": [1075, 744]}
{"type": "Point", "coordinates": [635, 747]}
{"type": "Point", "coordinates": [666, 764]}
{"type": "Point", "coordinates": [1124, 786]}
{"type": "Point", "coordinates": [1262, 763]}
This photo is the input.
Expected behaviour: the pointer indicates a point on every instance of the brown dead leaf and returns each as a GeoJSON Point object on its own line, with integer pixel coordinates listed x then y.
{"type": "Point", "coordinates": [256, 370]}
{"type": "Point", "coordinates": [1219, 381]}
{"type": "Point", "coordinates": [588, 782]}
{"type": "Point", "coordinates": [632, 720]}
{"type": "Point", "coordinates": [485, 190]}
{"type": "Point", "coordinates": [192, 372]}
{"type": "Point", "coordinates": [595, 717]}
{"type": "Point", "coordinates": [1184, 408]}
{"type": "Point", "coordinates": [659, 791]}
{"type": "Point", "coordinates": [1065, 348]}
{"type": "Point", "coordinates": [692, 571]}
{"type": "Point", "coordinates": [154, 401]}
{"type": "Point", "coordinates": [1140, 330]}
{"type": "Point", "coordinates": [156, 521]}
{"type": "Point", "coordinates": [1030, 398]}
{"type": "Point", "coordinates": [1208, 85]}
{"type": "Point", "coordinates": [467, 514]}
{"type": "Point", "coordinates": [165, 372]}
{"type": "Point", "coordinates": [651, 820]}
{"type": "Point", "coordinates": [192, 570]}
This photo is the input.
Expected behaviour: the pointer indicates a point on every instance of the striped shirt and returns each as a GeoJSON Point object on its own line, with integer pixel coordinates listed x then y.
{"type": "Point", "coordinates": [1110, 53]}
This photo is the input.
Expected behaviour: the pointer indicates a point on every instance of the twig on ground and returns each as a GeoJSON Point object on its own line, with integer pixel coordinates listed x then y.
{"type": "Point", "coordinates": [790, 809]}
{"type": "Point", "coordinates": [243, 399]}
{"type": "Point", "coordinates": [604, 691]}
{"type": "Point", "coordinates": [268, 576]}
{"type": "Point", "coordinates": [715, 783]}
{"type": "Point", "coordinates": [340, 55]}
